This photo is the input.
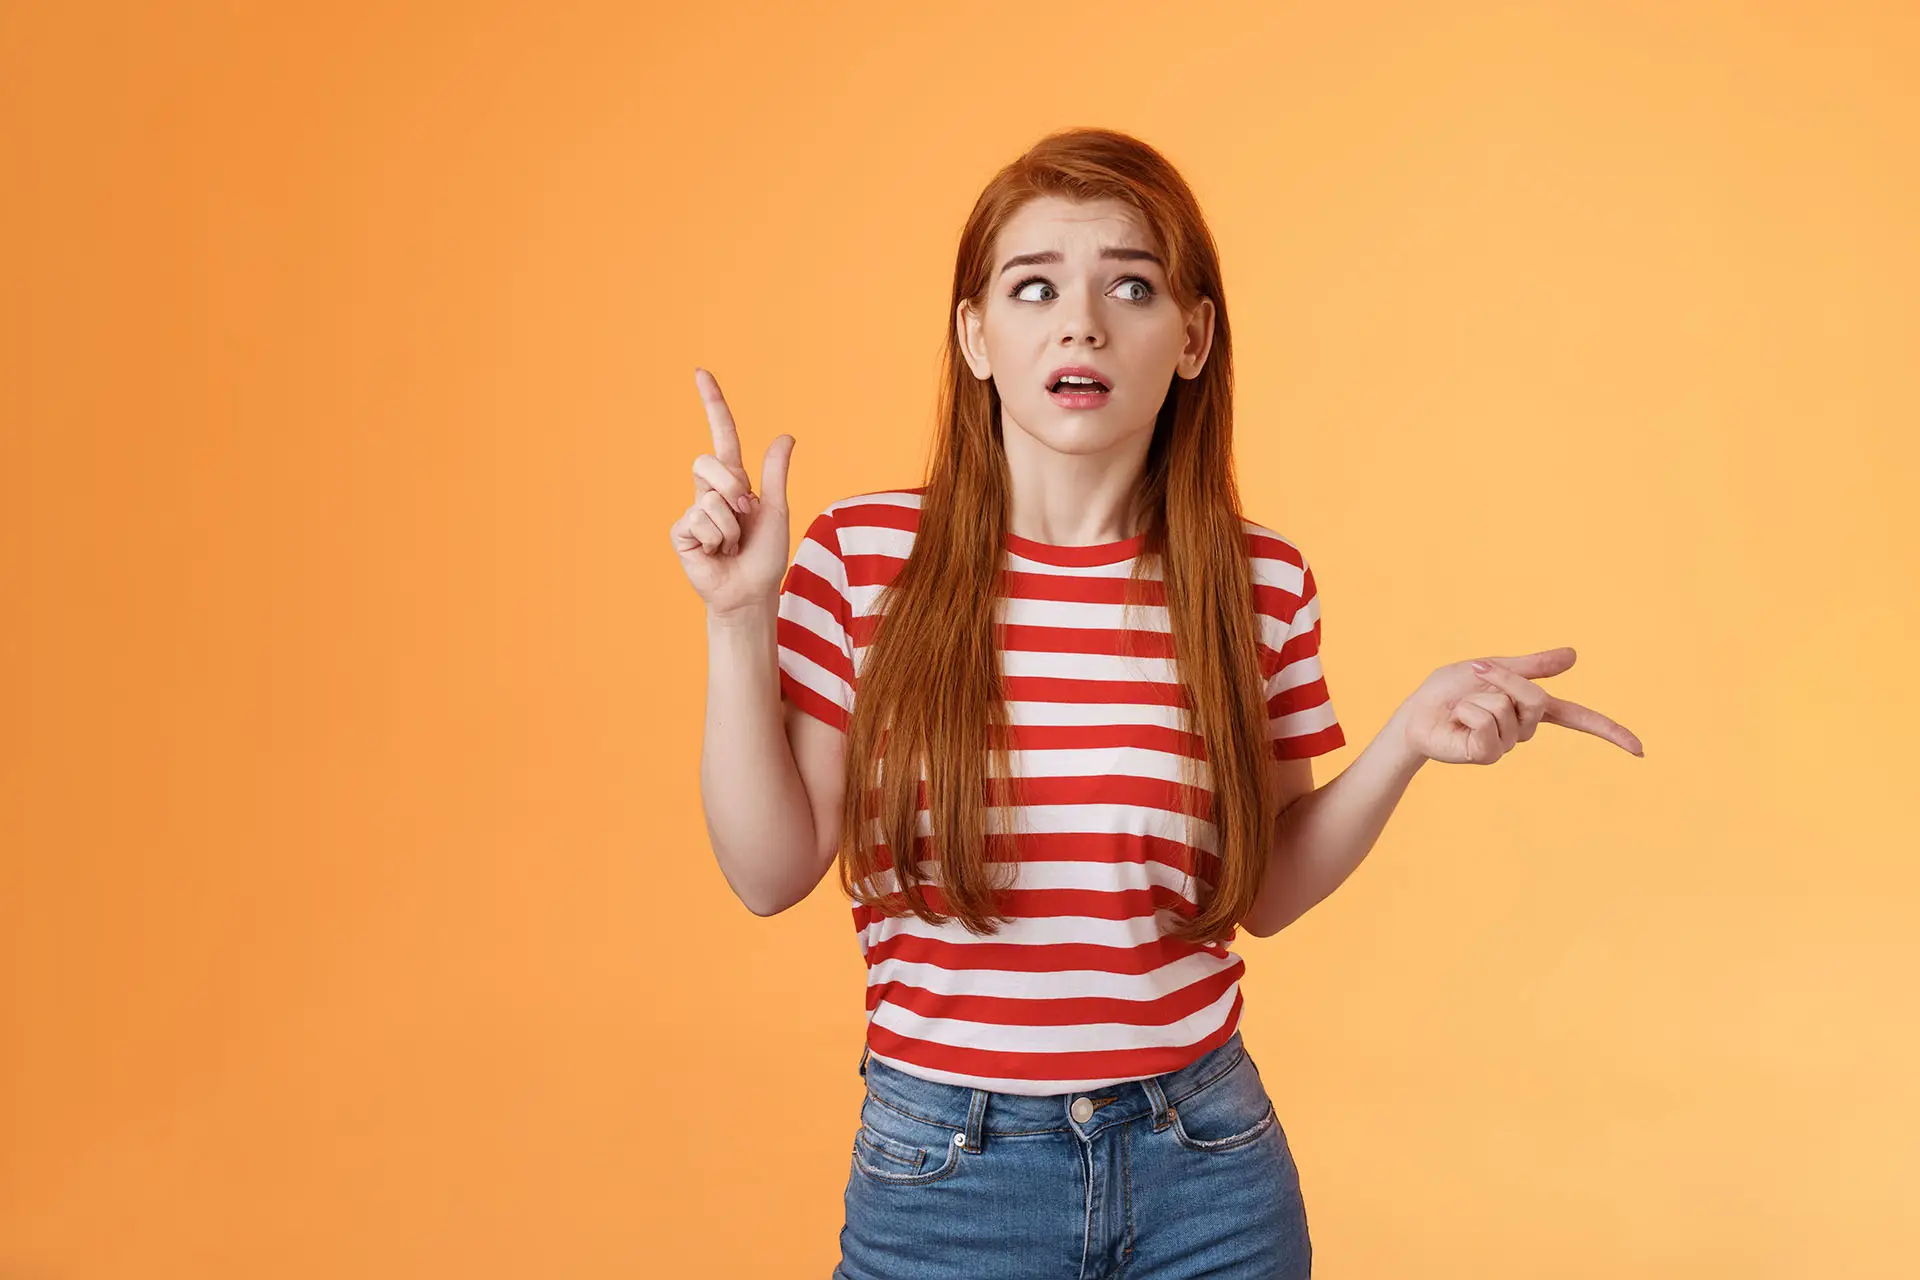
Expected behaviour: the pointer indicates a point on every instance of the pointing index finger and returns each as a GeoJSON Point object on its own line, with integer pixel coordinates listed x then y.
{"type": "Point", "coordinates": [726, 439]}
{"type": "Point", "coordinates": [1587, 720]}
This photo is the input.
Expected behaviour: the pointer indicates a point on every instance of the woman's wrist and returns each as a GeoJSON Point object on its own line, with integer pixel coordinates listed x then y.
{"type": "Point", "coordinates": [756, 616]}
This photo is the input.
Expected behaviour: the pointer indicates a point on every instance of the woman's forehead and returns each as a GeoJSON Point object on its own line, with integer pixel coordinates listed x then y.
{"type": "Point", "coordinates": [1050, 222]}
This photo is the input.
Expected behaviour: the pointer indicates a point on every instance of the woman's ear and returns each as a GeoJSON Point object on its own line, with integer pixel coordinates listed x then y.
{"type": "Point", "coordinates": [1199, 331]}
{"type": "Point", "coordinates": [966, 327]}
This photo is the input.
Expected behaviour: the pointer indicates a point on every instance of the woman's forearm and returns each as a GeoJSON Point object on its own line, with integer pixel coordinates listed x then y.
{"type": "Point", "coordinates": [1326, 833]}
{"type": "Point", "coordinates": [759, 818]}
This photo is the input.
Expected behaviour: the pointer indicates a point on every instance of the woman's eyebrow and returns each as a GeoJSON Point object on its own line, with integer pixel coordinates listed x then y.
{"type": "Point", "coordinates": [1054, 255]}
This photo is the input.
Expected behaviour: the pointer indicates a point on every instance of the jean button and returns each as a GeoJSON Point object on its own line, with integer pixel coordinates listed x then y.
{"type": "Point", "coordinates": [1083, 1109]}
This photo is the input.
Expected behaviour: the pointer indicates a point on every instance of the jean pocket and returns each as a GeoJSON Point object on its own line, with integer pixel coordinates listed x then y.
{"type": "Point", "coordinates": [1226, 1112]}
{"type": "Point", "coordinates": [903, 1150]}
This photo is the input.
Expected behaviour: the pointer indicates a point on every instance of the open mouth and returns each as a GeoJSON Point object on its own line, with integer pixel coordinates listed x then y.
{"type": "Point", "coordinates": [1075, 386]}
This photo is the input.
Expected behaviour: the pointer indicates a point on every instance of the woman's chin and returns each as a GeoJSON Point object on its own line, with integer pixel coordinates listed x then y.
{"type": "Point", "coordinates": [1079, 431]}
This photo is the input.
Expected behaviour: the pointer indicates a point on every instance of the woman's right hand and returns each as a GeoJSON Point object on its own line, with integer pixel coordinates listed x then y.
{"type": "Point", "coordinates": [733, 543]}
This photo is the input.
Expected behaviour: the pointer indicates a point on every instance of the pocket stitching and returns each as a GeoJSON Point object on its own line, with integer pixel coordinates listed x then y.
{"type": "Point", "coordinates": [1245, 1136]}
{"type": "Point", "coordinates": [866, 1137]}
{"type": "Point", "coordinates": [901, 1179]}
{"type": "Point", "coordinates": [881, 1144]}
{"type": "Point", "coordinates": [1231, 1140]}
{"type": "Point", "coordinates": [907, 1179]}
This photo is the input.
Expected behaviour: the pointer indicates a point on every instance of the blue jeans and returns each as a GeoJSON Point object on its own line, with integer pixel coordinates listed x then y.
{"type": "Point", "coordinates": [1177, 1175]}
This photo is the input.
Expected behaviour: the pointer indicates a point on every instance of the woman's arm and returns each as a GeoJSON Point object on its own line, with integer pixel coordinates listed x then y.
{"type": "Point", "coordinates": [1327, 832]}
{"type": "Point", "coordinates": [762, 778]}
{"type": "Point", "coordinates": [764, 774]}
{"type": "Point", "coordinates": [1469, 712]}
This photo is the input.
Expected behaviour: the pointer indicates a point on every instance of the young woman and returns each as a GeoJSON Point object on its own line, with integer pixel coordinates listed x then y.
{"type": "Point", "coordinates": [1090, 716]}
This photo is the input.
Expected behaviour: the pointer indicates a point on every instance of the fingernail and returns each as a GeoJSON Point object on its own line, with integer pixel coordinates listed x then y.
{"type": "Point", "coordinates": [1482, 667]}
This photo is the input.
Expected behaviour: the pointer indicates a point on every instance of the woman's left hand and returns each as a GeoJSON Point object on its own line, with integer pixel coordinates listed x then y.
{"type": "Point", "coordinates": [1463, 716]}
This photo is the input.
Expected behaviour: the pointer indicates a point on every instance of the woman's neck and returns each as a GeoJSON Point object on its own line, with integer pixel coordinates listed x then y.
{"type": "Point", "coordinates": [1068, 499]}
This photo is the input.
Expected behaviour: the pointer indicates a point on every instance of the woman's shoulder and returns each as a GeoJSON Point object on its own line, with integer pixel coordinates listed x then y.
{"type": "Point", "coordinates": [1282, 578]}
{"type": "Point", "coordinates": [1272, 551]}
{"type": "Point", "coordinates": [854, 507]}
{"type": "Point", "coordinates": [871, 522]}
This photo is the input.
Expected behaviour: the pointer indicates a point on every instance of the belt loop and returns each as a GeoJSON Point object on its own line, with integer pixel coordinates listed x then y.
{"type": "Point", "coordinates": [864, 1051]}
{"type": "Point", "coordinates": [976, 1120]}
{"type": "Point", "coordinates": [1157, 1099]}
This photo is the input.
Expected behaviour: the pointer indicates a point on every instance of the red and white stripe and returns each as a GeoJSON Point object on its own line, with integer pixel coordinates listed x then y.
{"type": "Point", "coordinates": [1081, 990]}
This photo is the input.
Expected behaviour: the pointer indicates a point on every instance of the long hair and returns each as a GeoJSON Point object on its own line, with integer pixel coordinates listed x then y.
{"type": "Point", "coordinates": [930, 715]}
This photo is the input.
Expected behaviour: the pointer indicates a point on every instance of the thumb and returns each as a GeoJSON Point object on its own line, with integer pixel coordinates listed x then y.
{"type": "Point", "coordinates": [1545, 662]}
{"type": "Point", "coordinates": [773, 471]}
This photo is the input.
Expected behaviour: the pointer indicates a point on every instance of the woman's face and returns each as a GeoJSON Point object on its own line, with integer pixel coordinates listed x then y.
{"type": "Point", "coordinates": [1100, 299]}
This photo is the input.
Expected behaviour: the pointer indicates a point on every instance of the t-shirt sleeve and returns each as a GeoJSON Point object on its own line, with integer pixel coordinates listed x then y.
{"type": "Point", "coordinates": [815, 627]}
{"type": "Point", "coordinates": [1299, 708]}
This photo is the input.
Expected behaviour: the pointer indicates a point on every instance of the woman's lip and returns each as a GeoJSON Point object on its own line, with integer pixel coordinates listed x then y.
{"type": "Point", "coordinates": [1080, 399]}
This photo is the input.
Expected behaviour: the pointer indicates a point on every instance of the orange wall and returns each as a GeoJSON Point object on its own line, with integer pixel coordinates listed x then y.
{"type": "Point", "coordinates": [356, 914]}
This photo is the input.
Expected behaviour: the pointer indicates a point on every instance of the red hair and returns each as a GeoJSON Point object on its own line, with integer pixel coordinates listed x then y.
{"type": "Point", "coordinates": [930, 702]}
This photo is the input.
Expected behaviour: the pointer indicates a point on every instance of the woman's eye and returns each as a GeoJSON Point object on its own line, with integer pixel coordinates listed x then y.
{"type": "Point", "coordinates": [1144, 295]}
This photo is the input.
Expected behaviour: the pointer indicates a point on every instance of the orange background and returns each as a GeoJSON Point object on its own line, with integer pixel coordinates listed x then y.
{"type": "Point", "coordinates": [356, 912]}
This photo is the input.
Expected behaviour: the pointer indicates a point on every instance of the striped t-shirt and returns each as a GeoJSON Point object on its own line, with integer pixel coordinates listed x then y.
{"type": "Point", "coordinates": [1080, 990]}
